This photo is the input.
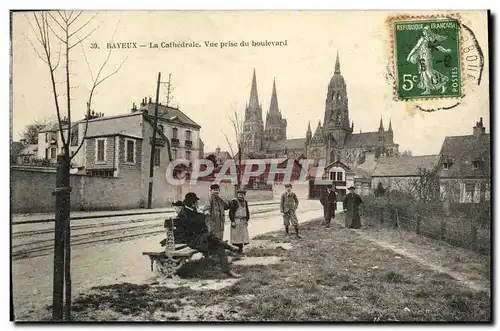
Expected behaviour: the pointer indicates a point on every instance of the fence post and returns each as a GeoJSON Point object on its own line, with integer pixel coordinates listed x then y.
{"type": "Point", "coordinates": [417, 230]}
{"type": "Point", "coordinates": [443, 229]}
{"type": "Point", "coordinates": [473, 235]}
{"type": "Point", "coordinates": [397, 219]}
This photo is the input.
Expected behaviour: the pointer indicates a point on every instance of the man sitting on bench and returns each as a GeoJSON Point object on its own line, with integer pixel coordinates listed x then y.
{"type": "Point", "coordinates": [197, 235]}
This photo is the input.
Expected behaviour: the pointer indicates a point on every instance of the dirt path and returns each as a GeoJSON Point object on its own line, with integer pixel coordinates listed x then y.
{"type": "Point", "coordinates": [468, 267]}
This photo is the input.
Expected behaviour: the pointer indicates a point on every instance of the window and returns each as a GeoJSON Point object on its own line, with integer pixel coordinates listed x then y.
{"type": "Point", "coordinates": [340, 176]}
{"type": "Point", "coordinates": [332, 175]}
{"type": "Point", "coordinates": [469, 192]}
{"type": "Point", "coordinates": [174, 154]}
{"type": "Point", "coordinates": [101, 146]}
{"type": "Point", "coordinates": [46, 153]}
{"type": "Point", "coordinates": [130, 151]}
{"type": "Point", "coordinates": [46, 137]}
{"type": "Point", "coordinates": [188, 135]}
{"type": "Point", "coordinates": [188, 155]}
{"type": "Point", "coordinates": [53, 152]}
{"type": "Point", "coordinates": [157, 156]}
{"type": "Point", "coordinates": [101, 173]}
{"type": "Point", "coordinates": [174, 133]}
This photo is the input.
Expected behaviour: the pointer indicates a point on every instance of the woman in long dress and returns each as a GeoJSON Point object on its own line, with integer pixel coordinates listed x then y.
{"type": "Point", "coordinates": [421, 54]}
{"type": "Point", "coordinates": [239, 216]}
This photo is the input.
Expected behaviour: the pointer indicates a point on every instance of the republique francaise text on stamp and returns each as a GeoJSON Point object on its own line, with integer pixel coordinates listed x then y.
{"type": "Point", "coordinates": [427, 58]}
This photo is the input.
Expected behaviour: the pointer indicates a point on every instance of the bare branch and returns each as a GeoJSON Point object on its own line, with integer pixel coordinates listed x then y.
{"type": "Point", "coordinates": [55, 20]}
{"type": "Point", "coordinates": [229, 144]}
{"type": "Point", "coordinates": [58, 59]}
{"type": "Point", "coordinates": [34, 48]}
{"type": "Point", "coordinates": [55, 34]}
{"type": "Point", "coordinates": [112, 73]}
{"type": "Point", "coordinates": [87, 61]}
{"type": "Point", "coordinates": [83, 26]}
{"type": "Point", "coordinates": [63, 18]}
{"type": "Point", "coordinates": [82, 39]}
{"type": "Point", "coordinates": [76, 17]}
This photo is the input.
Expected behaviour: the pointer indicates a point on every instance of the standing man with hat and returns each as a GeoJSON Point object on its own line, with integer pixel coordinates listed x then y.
{"type": "Point", "coordinates": [239, 216]}
{"type": "Point", "coordinates": [329, 202]}
{"type": "Point", "coordinates": [215, 209]}
{"type": "Point", "coordinates": [198, 237]}
{"type": "Point", "coordinates": [351, 204]}
{"type": "Point", "coordinates": [288, 206]}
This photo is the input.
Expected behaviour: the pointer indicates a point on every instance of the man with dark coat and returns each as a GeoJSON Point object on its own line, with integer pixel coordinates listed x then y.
{"type": "Point", "coordinates": [351, 204]}
{"type": "Point", "coordinates": [329, 202]}
{"type": "Point", "coordinates": [215, 209]}
{"type": "Point", "coordinates": [198, 237]}
{"type": "Point", "coordinates": [239, 215]}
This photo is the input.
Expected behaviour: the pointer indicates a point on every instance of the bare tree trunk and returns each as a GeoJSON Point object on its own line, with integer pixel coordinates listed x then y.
{"type": "Point", "coordinates": [67, 238]}
{"type": "Point", "coordinates": [59, 240]}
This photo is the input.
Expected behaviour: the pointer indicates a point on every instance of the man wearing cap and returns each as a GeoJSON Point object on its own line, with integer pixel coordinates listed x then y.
{"type": "Point", "coordinates": [239, 216]}
{"type": "Point", "coordinates": [329, 202]}
{"type": "Point", "coordinates": [288, 206]}
{"type": "Point", "coordinates": [198, 237]}
{"type": "Point", "coordinates": [215, 211]}
{"type": "Point", "coordinates": [351, 204]}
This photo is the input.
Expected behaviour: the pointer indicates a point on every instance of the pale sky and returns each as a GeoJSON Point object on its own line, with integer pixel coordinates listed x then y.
{"type": "Point", "coordinates": [209, 81]}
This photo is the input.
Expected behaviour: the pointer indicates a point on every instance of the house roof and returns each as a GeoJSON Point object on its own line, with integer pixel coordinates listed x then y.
{"type": "Point", "coordinates": [289, 144]}
{"type": "Point", "coordinates": [29, 150]}
{"type": "Point", "coordinates": [404, 166]}
{"type": "Point", "coordinates": [362, 139]}
{"type": "Point", "coordinates": [170, 114]}
{"type": "Point", "coordinates": [360, 173]}
{"type": "Point", "coordinates": [337, 163]}
{"type": "Point", "coordinates": [53, 126]}
{"type": "Point", "coordinates": [128, 125]}
{"type": "Point", "coordinates": [462, 150]}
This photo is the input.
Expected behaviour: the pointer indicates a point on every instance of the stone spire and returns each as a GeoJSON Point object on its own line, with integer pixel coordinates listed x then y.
{"type": "Point", "coordinates": [273, 108]}
{"type": "Point", "coordinates": [308, 132]}
{"type": "Point", "coordinates": [390, 125]}
{"type": "Point", "coordinates": [254, 98]}
{"type": "Point", "coordinates": [337, 64]}
{"type": "Point", "coordinates": [381, 126]}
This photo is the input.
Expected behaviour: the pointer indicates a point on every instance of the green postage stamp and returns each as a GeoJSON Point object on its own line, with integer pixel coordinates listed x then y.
{"type": "Point", "coordinates": [427, 58]}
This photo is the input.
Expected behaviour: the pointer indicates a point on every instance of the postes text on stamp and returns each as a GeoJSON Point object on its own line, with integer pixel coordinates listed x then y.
{"type": "Point", "coordinates": [427, 58]}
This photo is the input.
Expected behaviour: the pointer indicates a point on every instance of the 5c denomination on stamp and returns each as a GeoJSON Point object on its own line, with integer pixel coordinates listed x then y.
{"type": "Point", "coordinates": [427, 58]}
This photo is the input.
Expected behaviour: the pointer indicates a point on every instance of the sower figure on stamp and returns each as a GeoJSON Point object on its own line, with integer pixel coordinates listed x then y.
{"type": "Point", "coordinates": [329, 202]}
{"type": "Point", "coordinates": [288, 206]}
{"type": "Point", "coordinates": [198, 237]}
{"type": "Point", "coordinates": [215, 212]}
{"type": "Point", "coordinates": [239, 216]}
{"type": "Point", "coordinates": [352, 202]}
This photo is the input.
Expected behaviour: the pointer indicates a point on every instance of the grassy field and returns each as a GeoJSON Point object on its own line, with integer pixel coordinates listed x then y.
{"type": "Point", "coordinates": [329, 275]}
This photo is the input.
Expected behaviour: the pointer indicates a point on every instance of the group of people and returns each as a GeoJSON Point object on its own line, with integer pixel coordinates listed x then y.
{"type": "Point", "coordinates": [204, 230]}
{"type": "Point", "coordinates": [350, 204]}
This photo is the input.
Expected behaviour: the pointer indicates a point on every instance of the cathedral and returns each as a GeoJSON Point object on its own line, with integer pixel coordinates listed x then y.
{"type": "Point", "coordinates": [334, 140]}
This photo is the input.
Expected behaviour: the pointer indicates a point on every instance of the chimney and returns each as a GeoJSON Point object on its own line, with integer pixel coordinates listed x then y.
{"type": "Point", "coordinates": [150, 101]}
{"type": "Point", "coordinates": [217, 150]}
{"type": "Point", "coordinates": [479, 129]}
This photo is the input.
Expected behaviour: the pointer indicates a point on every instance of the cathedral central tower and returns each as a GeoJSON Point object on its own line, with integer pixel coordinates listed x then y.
{"type": "Point", "coordinates": [336, 122]}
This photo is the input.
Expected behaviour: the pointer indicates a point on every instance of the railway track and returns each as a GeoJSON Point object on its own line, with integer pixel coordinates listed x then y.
{"type": "Point", "coordinates": [107, 232]}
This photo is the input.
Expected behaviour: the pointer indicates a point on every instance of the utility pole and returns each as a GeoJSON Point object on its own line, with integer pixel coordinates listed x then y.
{"type": "Point", "coordinates": [169, 90]}
{"type": "Point", "coordinates": [153, 145]}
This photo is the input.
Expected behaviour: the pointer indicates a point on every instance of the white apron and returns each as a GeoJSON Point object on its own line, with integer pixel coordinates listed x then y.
{"type": "Point", "coordinates": [239, 234]}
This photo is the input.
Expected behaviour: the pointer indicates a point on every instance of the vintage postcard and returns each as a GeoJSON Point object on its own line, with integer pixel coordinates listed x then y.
{"type": "Point", "coordinates": [250, 166]}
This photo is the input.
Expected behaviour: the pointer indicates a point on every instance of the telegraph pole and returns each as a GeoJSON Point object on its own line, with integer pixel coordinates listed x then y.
{"type": "Point", "coordinates": [153, 145]}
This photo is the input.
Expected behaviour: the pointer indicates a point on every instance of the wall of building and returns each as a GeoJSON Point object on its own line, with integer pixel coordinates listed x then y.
{"type": "Point", "coordinates": [32, 191]}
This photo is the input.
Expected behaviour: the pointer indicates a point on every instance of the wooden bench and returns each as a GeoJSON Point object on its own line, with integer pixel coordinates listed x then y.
{"type": "Point", "coordinates": [175, 255]}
